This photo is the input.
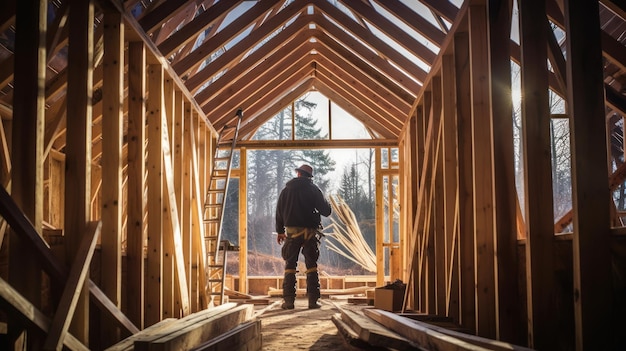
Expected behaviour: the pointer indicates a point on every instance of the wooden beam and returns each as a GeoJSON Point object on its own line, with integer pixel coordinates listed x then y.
{"type": "Point", "coordinates": [450, 187]}
{"type": "Point", "coordinates": [536, 143]}
{"type": "Point", "coordinates": [27, 149]}
{"type": "Point", "coordinates": [395, 33]}
{"type": "Point", "coordinates": [154, 286]}
{"type": "Point", "coordinates": [136, 201]}
{"type": "Point", "coordinates": [509, 318]}
{"type": "Point", "coordinates": [232, 30]}
{"type": "Point", "coordinates": [482, 144]}
{"type": "Point", "coordinates": [78, 147]}
{"type": "Point", "coordinates": [198, 251]}
{"type": "Point", "coordinates": [197, 25]}
{"type": "Point", "coordinates": [466, 180]}
{"type": "Point", "coordinates": [169, 189]}
{"type": "Point", "coordinates": [592, 256]}
{"type": "Point", "coordinates": [410, 18]}
{"type": "Point", "coordinates": [376, 43]}
{"type": "Point", "coordinates": [243, 220]}
{"type": "Point", "coordinates": [111, 161]}
{"type": "Point", "coordinates": [162, 14]}
{"type": "Point", "coordinates": [266, 56]}
{"type": "Point", "coordinates": [73, 286]}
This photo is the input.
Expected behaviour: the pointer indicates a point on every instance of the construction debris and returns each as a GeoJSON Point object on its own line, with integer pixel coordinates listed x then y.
{"type": "Point", "coordinates": [346, 237]}
{"type": "Point", "coordinates": [372, 328]}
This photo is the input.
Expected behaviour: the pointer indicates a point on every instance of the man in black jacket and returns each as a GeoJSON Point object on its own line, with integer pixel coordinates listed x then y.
{"type": "Point", "coordinates": [298, 224]}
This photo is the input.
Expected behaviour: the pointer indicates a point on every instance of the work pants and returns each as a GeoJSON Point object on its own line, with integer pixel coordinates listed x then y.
{"type": "Point", "coordinates": [307, 240]}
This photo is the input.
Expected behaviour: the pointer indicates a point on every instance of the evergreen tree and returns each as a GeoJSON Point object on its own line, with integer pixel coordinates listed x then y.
{"type": "Point", "coordinates": [269, 170]}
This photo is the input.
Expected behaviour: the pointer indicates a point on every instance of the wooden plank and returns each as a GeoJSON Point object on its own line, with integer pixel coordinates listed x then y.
{"type": "Point", "coordinates": [198, 251]}
{"type": "Point", "coordinates": [466, 181]}
{"type": "Point", "coordinates": [128, 343]}
{"type": "Point", "coordinates": [406, 328]}
{"type": "Point", "coordinates": [154, 163]}
{"type": "Point", "coordinates": [168, 278]}
{"type": "Point", "coordinates": [374, 333]}
{"type": "Point", "coordinates": [75, 282]}
{"type": "Point", "coordinates": [78, 145]}
{"type": "Point", "coordinates": [235, 339]}
{"type": "Point", "coordinates": [199, 23]}
{"type": "Point", "coordinates": [179, 264]}
{"type": "Point", "coordinates": [536, 144]}
{"type": "Point", "coordinates": [419, 333]}
{"type": "Point", "coordinates": [450, 187]}
{"type": "Point", "coordinates": [482, 142]}
{"type": "Point", "coordinates": [349, 336]}
{"type": "Point", "coordinates": [14, 303]}
{"type": "Point", "coordinates": [243, 220]}
{"type": "Point", "coordinates": [504, 174]}
{"type": "Point", "coordinates": [162, 14]}
{"type": "Point", "coordinates": [188, 335]}
{"type": "Point", "coordinates": [111, 161]}
{"type": "Point", "coordinates": [26, 171]}
{"type": "Point", "coordinates": [136, 201]}
{"type": "Point", "coordinates": [177, 164]}
{"type": "Point", "coordinates": [592, 255]}
{"type": "Point", "coordinates": [439, 226]}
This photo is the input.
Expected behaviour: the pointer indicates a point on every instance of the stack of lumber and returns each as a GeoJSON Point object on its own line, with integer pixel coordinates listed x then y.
{"type": "Point", "coordinates": [373, 328]}
{"type": "Point", "coordinates": [226, 327]}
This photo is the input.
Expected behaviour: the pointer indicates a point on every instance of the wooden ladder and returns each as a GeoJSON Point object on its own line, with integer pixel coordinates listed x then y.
{"type": "Point", "coordinates": [214, 210]}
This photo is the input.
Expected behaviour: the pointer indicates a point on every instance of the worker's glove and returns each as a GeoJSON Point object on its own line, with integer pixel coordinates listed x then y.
{"type": "Point", "coordinates": [280, 238]}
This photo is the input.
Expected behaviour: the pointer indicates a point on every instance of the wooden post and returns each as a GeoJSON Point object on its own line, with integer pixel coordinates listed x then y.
{"type": "Point", "coordinates": [466, 180]}
{"type": "Point", "coordinates": [27, 132]}
{"type": "Point", "coordinates": [450, 187]}
{"type": "Point", "coordinates": [504, 176]}
{"type": "Point", "coordinates": [591, 199]}
{"type": "Point", "coordinates": [439, 224]}
{"type": "Point", "coordinates": [482, 141]}
{"type": "Point", "coordinates": [111, 190]}
{"type": "Point", "coordinates": [135, 227]}
{"type": "Point", "coordinates": [167, 279]}
{"type": "Point", "coordinates": [243, 221]}
{"type": "Point", "coordinates": [179, 170]}
{"type": "Point", "coordinates": [187, 228]}
{"type": "Point", "coordinates": [78, 145]}
{"type": "Point", "coordinates": [380, 215]}
{"type": "Point", "coordinates": [538, 177]}
{"type": "Point", "coordinates": [154, 285]}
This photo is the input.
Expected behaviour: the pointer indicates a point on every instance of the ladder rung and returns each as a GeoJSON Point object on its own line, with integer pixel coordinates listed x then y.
{"type": "Point", "coordinates": [221, 266]}
{"type": "Point", "coordinates": [215, 280]}
{"type": "Point", "coordinates": [210, 237]}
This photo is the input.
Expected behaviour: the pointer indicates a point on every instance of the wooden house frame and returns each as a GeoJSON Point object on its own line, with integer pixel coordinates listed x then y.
{"type": "Point", "coordinates": [109, 127]}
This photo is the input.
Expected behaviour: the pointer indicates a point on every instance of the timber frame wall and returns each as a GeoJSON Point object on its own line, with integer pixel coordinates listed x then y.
{"type": "Point", "coordinates": [464, 249]}
{"type": "Point", "coordinates": [470, 254]}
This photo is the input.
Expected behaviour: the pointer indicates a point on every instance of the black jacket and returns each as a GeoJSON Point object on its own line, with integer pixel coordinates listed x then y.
{"type": "Point", "coordinates": [300, 204]}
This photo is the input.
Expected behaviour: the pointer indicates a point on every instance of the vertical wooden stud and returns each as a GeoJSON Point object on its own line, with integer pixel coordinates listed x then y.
{"type": "Point", "coordinates": [135, 227]}
{"type": "Point", "coordinates": [78, 146]}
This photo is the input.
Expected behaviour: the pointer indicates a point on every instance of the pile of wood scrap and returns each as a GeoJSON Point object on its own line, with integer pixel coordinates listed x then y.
{"type": "Point", "coordinates": [373, 328]}
{"type": "Point", "coordinates": [346, 237]}
{"type": "Point", "coordinates": [229, 327]}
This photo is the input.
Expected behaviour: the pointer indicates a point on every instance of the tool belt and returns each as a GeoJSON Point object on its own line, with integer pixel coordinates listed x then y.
{"type": "Point", "coordinates": [308, 233]}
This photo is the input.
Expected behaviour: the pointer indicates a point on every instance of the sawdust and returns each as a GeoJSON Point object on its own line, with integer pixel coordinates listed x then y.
{"type": "Point", "coordinates": [302, 328]}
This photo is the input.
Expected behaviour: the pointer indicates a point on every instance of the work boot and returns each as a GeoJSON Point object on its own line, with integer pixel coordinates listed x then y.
{"type": "Point", "coordinates": [288, 303]}
{"type": "Point", "coordinates": [313, 304]}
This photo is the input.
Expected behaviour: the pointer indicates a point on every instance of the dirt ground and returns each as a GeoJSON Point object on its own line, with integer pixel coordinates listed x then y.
{"type": "Point", "coordinates": [301, 328]}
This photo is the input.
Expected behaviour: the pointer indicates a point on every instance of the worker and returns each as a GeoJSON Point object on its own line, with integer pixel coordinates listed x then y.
{"type": "Point", "coordinates": [298, 225]}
